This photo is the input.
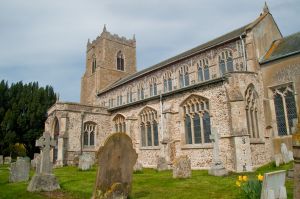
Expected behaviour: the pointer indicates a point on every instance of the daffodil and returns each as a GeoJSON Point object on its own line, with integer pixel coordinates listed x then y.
{"type": "Point", "coordinates": [240, 178]}
{"type": "Point", "coordinates": [260, 177]}
{"type": "Point", "coordinates": [238, 183]}
{"type": "Point", "coordinates": [245, 178]}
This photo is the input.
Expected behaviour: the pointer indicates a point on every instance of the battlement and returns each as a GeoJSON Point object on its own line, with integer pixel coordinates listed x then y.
{"type": "Point", "coordinates": [113, 37]}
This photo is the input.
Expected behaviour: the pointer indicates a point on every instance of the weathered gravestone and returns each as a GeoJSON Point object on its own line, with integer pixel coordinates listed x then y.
{"type": "Point", "coordinates": [182, 167]}
{"type": "Point", "coordinates": [162, 164]}
{"type": "Point", "coordinates": [1, 159]}
{"type": "Point", "coordinates": [217, 167]}
{"type": "Point", "coordinates": [7, 160]}
{"type": "Point", "coordinates": [116, 160]}
{"type": "Point", "coordinates": [19, 170]}
{"type": "Point", "coordinates": [44, 180]}
{"type": "Point", "coordinates": [35, 160]}
{"type": "Point", "coordinates": [273, 185]}
{"type": "Point", "coordinates": [138, 167]}
{"type": "Point", "coordinates": [86, 162]}
{"type": "Point", "coordinates": [286, 154]}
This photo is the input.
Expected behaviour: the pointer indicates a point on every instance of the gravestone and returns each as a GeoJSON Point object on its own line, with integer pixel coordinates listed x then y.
{"type": "Point", "coordinates": [19, 170]}
{"type": "Point", "coordinates": [287, 156]}
{"type": "Point", "coordinates": [182, 167]}
{"type": "Point", "coordinates": [1, 159]}
{"type": "Point", "coordinates": [138, 166]}
{"type": "Point", "coordinates": [7, 160]}
{"type": "Point", "coordinates": [116, 160]}
{"type": "Point", "coordinates": [44, 180]}
{"type": "Point", "coordinates": [85, 162]}
{"type": "Point", "coordinates": [217, 167]}
{"type": "Point", "coordinates": [273, 185]}
{"type": "Point", "coordinates": [35, 160]}
{"type": "Point", "coordinates": [162, 164]}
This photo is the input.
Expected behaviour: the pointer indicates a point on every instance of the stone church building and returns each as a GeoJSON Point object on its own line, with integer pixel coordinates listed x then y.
{"type": "Point", "coordinates": [242, 85]}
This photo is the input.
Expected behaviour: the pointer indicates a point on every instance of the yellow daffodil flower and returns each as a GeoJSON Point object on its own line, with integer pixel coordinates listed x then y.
{"type": "Point", "coordinates": [238, 183]}
{"type": "Point", "coordinates": [240, 178]}
{"type": "Point", "coordinates": [260, 177]}
{"type": "Point", "coordinates": [245, 178]}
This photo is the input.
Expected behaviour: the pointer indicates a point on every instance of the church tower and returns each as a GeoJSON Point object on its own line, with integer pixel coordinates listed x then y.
{"type": "Point", "coordinates": [108, 59]}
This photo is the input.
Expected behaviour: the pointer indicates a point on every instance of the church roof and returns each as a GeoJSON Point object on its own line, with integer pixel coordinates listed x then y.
{"type": "Point", "coordinates": [281, 48]}
{"type": "Point", "coordinates": [203, 47]}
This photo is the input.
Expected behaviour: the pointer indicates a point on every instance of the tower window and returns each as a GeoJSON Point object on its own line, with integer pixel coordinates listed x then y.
{"type": "Point", "coordinates": [94, 64]}
{"type": "Point", "coordinates": [120, 61]}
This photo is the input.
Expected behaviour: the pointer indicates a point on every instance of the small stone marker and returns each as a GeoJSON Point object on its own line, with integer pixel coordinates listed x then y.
{"type": "Point", "coordinates": [44, 180]}
{"type": "Point", "coordinates": [286, 155]}
{"type": "Point", "coordinates": [1, 159]}
{"type": "Point", "coordinates": [34, 160]}
{"type": "Point", "coordinates": [19, 170]}
{"type": "Point", "coordinates": [116, 160]}
{"type": "Point", "coordinates": [162, 164]}
{"type": "Point", "coordinates": [85, 162]}
{"type": "Point", "coordinates": [273, 185]}
{"type": "Point", "coordinates": [182, 167]}
{"type": "Point", "coordinates": [7, 160]}
{"type": "Point", "coordinates": [138, 166]}
{"type": "Point", "coordinates": [217, 167]}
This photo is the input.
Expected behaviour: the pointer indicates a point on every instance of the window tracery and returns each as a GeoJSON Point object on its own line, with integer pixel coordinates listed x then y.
{"type": "Point", "coordinates": [225, 62]}
{"type": "Point", "coordinates": [149, 127]}
{"type": "Point", "coordinates": [119, 123]}
{"type": "Point", "coordinates": [89, 129]}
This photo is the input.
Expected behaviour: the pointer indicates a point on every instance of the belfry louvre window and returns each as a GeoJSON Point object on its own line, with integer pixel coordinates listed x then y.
{"type": "Point", "coordinates": [89, 129]}
{"type": "Point", "coordinates": [94, 64]}
{"type": "Point", "coordinates": [251, 98]}
{"type": "Point", "coordinates": [285, 108]}
{"type": "Point", "coordinates": [149, 127]}
{"type": "Point", "coordinates": [119, 122]}
{"type": "Point", "coordinates": [197, 123]}
{"type": "Point", "coordinates": [120, 61]}
{"type": "Point", "coordinates": [225, 62]}
{"type": "Point", "coordinates": [184, 79]}
{"type": "Point", "coordinates": [203, 70]}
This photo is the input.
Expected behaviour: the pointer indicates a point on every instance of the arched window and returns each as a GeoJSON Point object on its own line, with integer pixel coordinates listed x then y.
{"type": "Point", "coordinates": [203, 70]}
{"type": "Point", "coordinates": [94, 64]}
{"type": "Point", "coordinates": [196, 120]}
{"type": "Point", "coordinates": [251, 98]}
{"type": "Point", "coordinates": [89, 134]}
{"type": "Point", "coordinates": [153, 87]}
{"type": "Point", "coordinates": [141, 92]}
{"type": "Point", "coordinates": [149, 127]}
{"type": "Point", "coordinates": [119, 121]}
{"type": "Point", "coordinates": [129, 95]}
{"type": "Point", "coordinates": [225, 62]}
{"type": "Point", "coordinates": [120, 61]}
{"type": "Point", "coordinates": [285, 109]}
{"type": "Point", "coordinates": [184, 79]}
{"type": "Point", "coordinates": [167, 78]}
{"type": "Point", "coordinates": [119, 100]}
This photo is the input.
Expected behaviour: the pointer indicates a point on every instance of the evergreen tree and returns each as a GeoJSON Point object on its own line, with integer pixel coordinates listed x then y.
{"type": "Point", "coordinates": [23, 109]}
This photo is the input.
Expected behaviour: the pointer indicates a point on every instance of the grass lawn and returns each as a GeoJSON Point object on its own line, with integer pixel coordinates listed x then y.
{"type": "Point", "coordinates": [146, 185]}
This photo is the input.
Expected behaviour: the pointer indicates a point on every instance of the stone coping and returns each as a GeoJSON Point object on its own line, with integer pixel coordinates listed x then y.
{"type": "Point", "coordinates": [150, 148]}
{"type": "Point", "coordinates": [197, 146]}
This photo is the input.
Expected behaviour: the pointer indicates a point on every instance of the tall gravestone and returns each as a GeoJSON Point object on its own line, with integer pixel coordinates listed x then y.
{"type": "Point", "coordinates": [273, 186]}
{"type": "Point", "coordinates": [44, 180]}
{"type": "Point", "coordinates": [116, 160]}
{"type": "Point", "coordinates": [19, 170]}
{"type": "Point", "coordinates": [217, 167]}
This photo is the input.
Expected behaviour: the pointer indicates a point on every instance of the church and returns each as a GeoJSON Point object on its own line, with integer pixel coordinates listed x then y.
{"type": "Point", "coordinates": [242, 86]}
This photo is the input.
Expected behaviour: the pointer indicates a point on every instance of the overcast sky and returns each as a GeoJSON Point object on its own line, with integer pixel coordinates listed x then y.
{"type": "Point", "coordinates": [45, 40]}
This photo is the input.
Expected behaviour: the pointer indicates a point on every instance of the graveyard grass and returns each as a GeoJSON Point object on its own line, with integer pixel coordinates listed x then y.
{"type": "Point", "coordinates": [149, 184]}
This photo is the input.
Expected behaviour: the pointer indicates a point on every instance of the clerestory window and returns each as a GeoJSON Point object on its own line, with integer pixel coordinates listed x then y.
{"type": "Point", "coordinates": [225, 62]}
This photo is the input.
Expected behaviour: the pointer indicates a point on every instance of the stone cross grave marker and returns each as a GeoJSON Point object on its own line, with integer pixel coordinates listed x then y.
{"type": "Point", "coordinates": [19, 170]}
{"type": "Point", "coordinates": [217, 167]}
{"type": "Point", "coordinates": [44, 180]}
{"type": "Point", "coordinates": [116, 160]}
{"type": "Point", "coordinates": [45, 143]}
{"type": "Point", "coordinates": [273, 185]}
